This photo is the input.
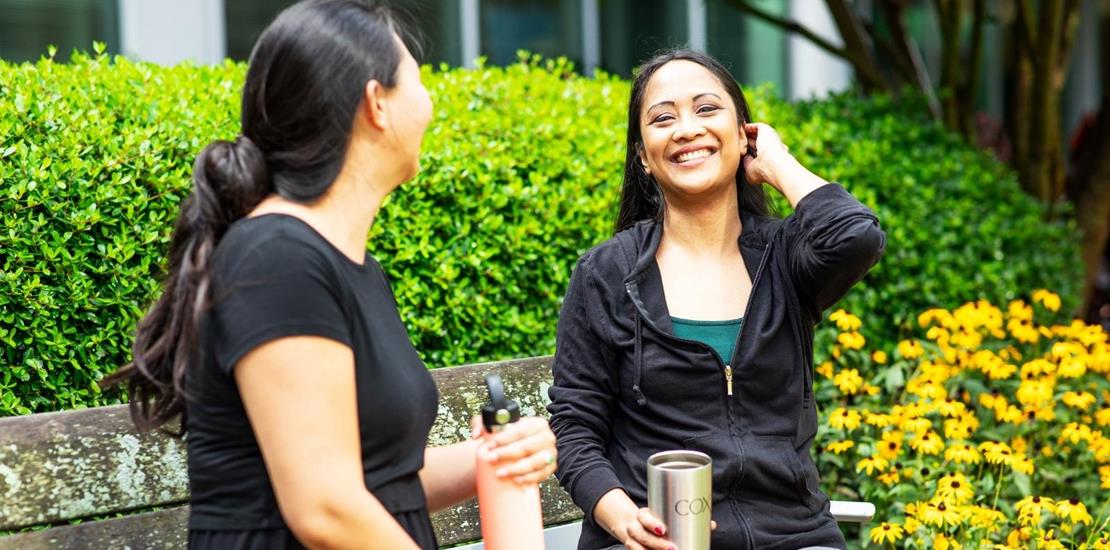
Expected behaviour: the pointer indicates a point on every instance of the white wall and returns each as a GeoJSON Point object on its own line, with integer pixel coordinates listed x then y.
{"type": "Point", "coordinates": [813, 72]}
{"type": "Point", "coordinates": [172, 31]}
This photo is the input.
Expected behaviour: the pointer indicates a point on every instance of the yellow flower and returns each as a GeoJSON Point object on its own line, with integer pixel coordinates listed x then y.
{"type": "Point", "coordinates": [871, 464]}
{"type": "Point", "coordinates": [910, 349]}
{"type": "Point", "coordinates": [999, 370]}
{"type": "Point", "coordinates": [962, 453]}
{"type": "Point", "coordinates": [1104, 477]}
{"type": "Point", "coordinates": [1029, 509]}
{"type": "Point", "coordinates": [1075, 432]}
{"type": "Point", "coordinates": [891, 445]}
{"type": "Point", "coordinates": [955, 489]}
{"type": "Point", "coordinates": [851, 340]}
{"type": "Point", "coordinates": [1051, 542]}
{"type": "Point", "coordinates": [844, 419]}
{"type": "Point", "coordinates": [837, 447]}
{"type": "Point", "coordinates": [1102, 417]}
{"type": "Point", "coordinates": [886, 532]}
{"type": "Point", "coordinates": [996, 453]}
{"type": "Point", "coordinates": [1103, 543]}
{"type": "Point", "coordinates": [1049, 300]}
{"type": "Point", "coordinates": [879, 357]}
{"type": "Point", "coordinates": [825, 369]}
{"type": "Point", "coordinates": [1018, 444]}
{"type": "Point", "coordinates": [1072, 511]}
{"type": "Point", "coordinates": [1023, 464]}
{"type": "Point", "coordinates": [927, 443]}
{"type": "Point", "coordinates": [941, 542]}
{"type": "Point", "coordinates": [836, 352]}
{"type": "Point", "coordinates": [987, 518]}
{"type": "Point", "coordinates": [879, 420]}
{"type": "Point", "coordinates": [890, 477]}
{"type": "Point", "coordinates": [845, 321]}
{"type": "Point", "coordinates": [848, 381]}
{"type": "Point", "coordinates": [939, 514]}
{"type": "Point", "coordinates": [1078, 400]}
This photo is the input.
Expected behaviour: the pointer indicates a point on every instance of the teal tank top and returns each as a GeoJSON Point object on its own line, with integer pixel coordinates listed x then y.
{"type": "Point", "coordinates": [719, 335]}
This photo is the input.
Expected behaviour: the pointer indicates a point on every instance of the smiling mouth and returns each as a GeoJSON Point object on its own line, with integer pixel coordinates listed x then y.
{"type": "Point", "coordinates": [691, 157]}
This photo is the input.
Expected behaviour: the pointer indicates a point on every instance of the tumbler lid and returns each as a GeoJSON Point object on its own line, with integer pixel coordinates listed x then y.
{"type": "Point", "coordinates": [500, 411]}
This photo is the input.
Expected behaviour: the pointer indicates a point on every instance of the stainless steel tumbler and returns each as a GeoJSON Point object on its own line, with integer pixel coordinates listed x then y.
{"type": "Point", "coordinates": [680, 493]}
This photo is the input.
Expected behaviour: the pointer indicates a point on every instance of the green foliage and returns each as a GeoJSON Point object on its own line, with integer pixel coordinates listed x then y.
{"type": "Point", "coordinates": [958, 225]}
{"type": "Point", "coordinates": [520, 175]}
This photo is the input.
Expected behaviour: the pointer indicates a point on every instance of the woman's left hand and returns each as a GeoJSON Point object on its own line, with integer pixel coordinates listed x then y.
{"type": "Point", "coordinates": [766, 153]}
{"type": "Point", "coordinates": [524, 451]}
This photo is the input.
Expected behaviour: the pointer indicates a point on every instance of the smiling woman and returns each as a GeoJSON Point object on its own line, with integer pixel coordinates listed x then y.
{"type": "Point", "coordinates": [692, 328]}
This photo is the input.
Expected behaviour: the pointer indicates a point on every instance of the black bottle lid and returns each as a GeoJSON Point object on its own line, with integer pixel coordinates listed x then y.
{"type": "Point", "coordinates": [500, 411]}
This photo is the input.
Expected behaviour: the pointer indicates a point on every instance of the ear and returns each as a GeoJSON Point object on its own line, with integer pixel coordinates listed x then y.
{"type": "Point", "coordinates": [373, 105]}
{"type": "Point", "coordinates": [643, 159]}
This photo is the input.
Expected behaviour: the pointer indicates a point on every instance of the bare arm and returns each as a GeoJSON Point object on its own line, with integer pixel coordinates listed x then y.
{"type": "Point", "coordinates": [307, 429]}
{"type": "Point", "coordinates": [448, 474]}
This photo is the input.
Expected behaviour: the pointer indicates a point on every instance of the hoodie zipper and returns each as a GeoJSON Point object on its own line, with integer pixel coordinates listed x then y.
{"type": "Point", "coordinates": [747, 311]}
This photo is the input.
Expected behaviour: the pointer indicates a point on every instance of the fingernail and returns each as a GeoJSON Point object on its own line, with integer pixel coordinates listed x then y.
{"type": "Point", "coordinates": [501, 472]}
{"type": "Point", "coordinates": [659, 531]}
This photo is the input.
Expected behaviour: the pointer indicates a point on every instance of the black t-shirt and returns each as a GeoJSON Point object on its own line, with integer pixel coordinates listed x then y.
{"type": "Point", "coordinates": [273, 276]}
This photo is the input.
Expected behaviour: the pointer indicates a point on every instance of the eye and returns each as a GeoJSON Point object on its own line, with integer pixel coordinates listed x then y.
{"type": "Point", "coordinates": [707, 109]}
{"type": "Point", "coordinates": [662, 118]}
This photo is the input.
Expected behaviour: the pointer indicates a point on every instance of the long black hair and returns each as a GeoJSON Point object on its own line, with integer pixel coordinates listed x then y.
{"type": "Point", "coordinates": [304, 85]}
{"type": "Point", "coordinates": [641, 197]}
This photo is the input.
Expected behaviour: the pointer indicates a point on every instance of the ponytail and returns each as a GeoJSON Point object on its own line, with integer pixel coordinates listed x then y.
{"type": "Point", "coordinates": [305, 81]}
{"type": "Point", "coordinates": [229, 180]}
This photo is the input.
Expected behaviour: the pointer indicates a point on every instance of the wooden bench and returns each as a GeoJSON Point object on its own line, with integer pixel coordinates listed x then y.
{"type": "Point", "coordinates": [92, 465]}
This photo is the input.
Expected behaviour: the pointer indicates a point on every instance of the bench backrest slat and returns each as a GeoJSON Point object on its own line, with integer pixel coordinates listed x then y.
{"type": "Point", "coordinates": [56, 467]}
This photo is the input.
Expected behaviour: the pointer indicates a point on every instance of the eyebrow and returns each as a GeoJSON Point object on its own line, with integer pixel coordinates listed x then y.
{"type": "Point", "coordinates": [671, 103]}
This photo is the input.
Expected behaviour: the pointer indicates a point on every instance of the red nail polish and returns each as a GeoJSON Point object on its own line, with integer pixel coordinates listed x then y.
{"type": "Point", "coordinates": [659, 531]}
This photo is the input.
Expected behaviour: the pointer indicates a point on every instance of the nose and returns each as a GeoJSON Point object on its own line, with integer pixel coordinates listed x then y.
{"type": "Point", "coordinates": [688, 128]}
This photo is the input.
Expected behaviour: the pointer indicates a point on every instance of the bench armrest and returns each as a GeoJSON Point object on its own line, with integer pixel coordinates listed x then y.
{"type": "Point", "coordinates": [851, 511]}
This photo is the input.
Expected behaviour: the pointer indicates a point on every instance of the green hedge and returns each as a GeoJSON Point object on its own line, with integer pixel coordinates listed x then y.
{"type": "Point", "coordinates": [520, 175]}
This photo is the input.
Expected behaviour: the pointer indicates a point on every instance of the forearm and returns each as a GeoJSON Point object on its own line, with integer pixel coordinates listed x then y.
{"type": "Point", "coordinates": [613, 511]}
{"type": "Point", "coordinates": [354, 520]}
{"type": "Point", "coordinates": [448, 474]}
{"type": "Point", "coordinates": [792, 179]}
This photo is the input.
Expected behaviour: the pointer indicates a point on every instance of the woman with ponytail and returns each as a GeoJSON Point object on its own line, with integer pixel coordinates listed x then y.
{"type": "Point", "coordinates": [277, 338]}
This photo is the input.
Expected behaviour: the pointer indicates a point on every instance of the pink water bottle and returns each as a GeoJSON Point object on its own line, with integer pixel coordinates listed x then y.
{"type": "Point", "coordinates": [511, 516]}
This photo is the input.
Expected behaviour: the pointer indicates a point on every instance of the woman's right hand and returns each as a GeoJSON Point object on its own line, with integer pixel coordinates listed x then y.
{"type": "Point", "coordinates": [643, 531]}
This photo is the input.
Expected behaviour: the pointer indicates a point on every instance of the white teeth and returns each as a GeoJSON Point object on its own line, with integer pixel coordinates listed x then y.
{"type": "Point", "coordinates": [700, 153]}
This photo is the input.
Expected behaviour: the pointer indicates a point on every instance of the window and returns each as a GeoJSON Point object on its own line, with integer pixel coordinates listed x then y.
{"type": "Point", "coordinates": [28, 27]}
{"type": "Point", "coordinates": [547, 27]}
{"type": "Point", "coordinates": [634, 30]}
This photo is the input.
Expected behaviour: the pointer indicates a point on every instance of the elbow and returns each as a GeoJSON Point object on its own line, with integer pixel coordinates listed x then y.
{"type": "Point", "coordinates": [319, 524]}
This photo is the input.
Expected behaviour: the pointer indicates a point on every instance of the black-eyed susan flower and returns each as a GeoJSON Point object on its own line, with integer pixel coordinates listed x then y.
{"type": "Point", "coordinates": [942, 542]}
{"type": "Point", "coordinates": [837, 447]}
{"type": "Point", "coordinates": [851, 340]}
{"type": "Point", "coordinates": [1049, 541]}
{"type": "Point", "coordinates": [928, 443]}
{"type": "Point", "coordinates": [1075, 432]}
{"type": "Point", "coordinates": [1029, 509]}
{"type": "Point", "coordinates": [1102, 417]}
{"type": "Point", "coordinates": [1078, 400]}
{"type": "Point", "coordinates": [879, 357]}
{"type": "Point", "coordinates": [1022, 464]}
{"type": "Point", "coordinates": [996, 453]}
{"type": "Point", "coordinates": [1101, 543]}
{"type": "Point", "coordinates": [879, 420]}
{"type": "Point", "coordinates": [872, 464]}
{"type": "Point", "coordinates": [1072, 511]}
{"type": "Point", "coordinates": [962, 453]}
{"type": "Point", "coordinates": [1049, 300]}
{"type": "Point", "coordinates": [910, 349]}
{"type": "Point", "coordinates": [825, 369]}
{"type": "Point", "coordinates": [890, 445]}
{"type": "Point", "coordinates": [1104, 477]}
{"type": "Point", "coordinates": [886, 532]}
{"type": "Point", "coordinates": [845, 321]}
{"type": "Point", "coordinates": [954, 488]}
{"type": "Point", "coordinates": [939, 514]}
{"type": "Point", "coordinates": [845, 419]}
{"type": "Point", "coordinates": [848, 381]}
{"type": "Point", "coordinates": [889, 477]}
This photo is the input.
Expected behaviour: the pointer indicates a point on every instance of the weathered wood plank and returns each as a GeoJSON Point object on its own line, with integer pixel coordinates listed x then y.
{"type": "Point", "coordinates": [60, 466]}
{"type": "Point", "coordinates": [55, 467]}
{"type": "Point", "coordinates": [162, 530]}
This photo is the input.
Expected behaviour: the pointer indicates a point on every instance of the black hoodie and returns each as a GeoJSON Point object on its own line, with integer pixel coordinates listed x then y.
{"type": "Point", "coordinates": [625, 387]}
